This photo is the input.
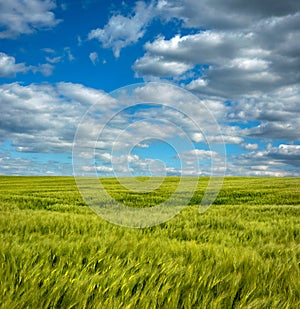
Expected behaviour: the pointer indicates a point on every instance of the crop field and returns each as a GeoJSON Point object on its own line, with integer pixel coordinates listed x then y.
{"type": "Point", "coordinates": [243, 252]}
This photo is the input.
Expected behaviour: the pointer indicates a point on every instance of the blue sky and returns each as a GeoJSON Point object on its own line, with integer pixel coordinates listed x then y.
{"type": "Point", "coordinates": [237, 65]}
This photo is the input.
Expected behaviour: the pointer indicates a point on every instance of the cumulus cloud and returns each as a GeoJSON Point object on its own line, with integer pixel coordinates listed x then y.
{"type": "Point", "coordinates": [121, 31]}
{"type": "Point", "coordinates": [243, 64]}
{"type": "Point", "coordinates": [281, 130]}
{"type": "Point", "coordinates": [46, 69]}
{"type": "Point", "coordinates": [248, 49]}
{"type": "Point", "coordinates": [235, 14]}
{"type": "Point", "coordinates": [9, 67]}
{"type": "Point", "coordinates": [43, 118]}
{"type": "Point", "coordinates": [179, 119]}
{"type": "Point", "coordinates": [273, 115]}
{"type": "Point", "coordinates": [246, 58]}
{"type": "Point", "coordinates": [24, 17]}
{"type": "Point", "coordinates": [156, 66]}
{"type": "Point", "coordinates": [282, 160]}
{"type": "Point", "coordinates": [288, 154]}
{"type": "Point", "coordinates": [233, 67]}
{"type": "Point", "coordinates": [77, 93]}
{"type": "Point", "coordinates": [249, 146]}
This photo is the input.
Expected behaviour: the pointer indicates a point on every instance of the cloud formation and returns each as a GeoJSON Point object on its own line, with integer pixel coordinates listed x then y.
{"type": "Point", "coordinates": [23, 17]}
{"type": "Point", "coordinates": [121, 31]}
{"type": "Point", "coordinates": [43, 118]}
{"type": "Point", "coordinates": [248, 49]}
{"type": "Point", "coordinates": [282, 160]}
{"type": "Point", "coordinates": [233, 63]}
{"type": "Point", "coordinates": [247, 57]}
{"type": "Point", "coordinates": [229, 15]}
{"type": "Point", "coordinates": [9, 67]}
{"type": "Point", "coordinates": [241, 59]}
{"type": "Point", "coordinates": [275, 115]}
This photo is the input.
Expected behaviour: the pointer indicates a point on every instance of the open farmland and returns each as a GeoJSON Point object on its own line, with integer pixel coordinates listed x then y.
{"type": "Point", "coordinates": [244, 252]}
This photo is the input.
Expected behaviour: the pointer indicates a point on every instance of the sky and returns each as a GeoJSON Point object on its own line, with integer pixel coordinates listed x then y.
{"type": "Point", "coordinates": [181, 87]}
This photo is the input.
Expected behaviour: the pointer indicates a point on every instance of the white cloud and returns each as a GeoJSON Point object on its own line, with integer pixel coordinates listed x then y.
{"type": "Point", "coordinates": [78, 93]}
{"type": "Point", "coordinates": [204, 47]}
{"type": "Point", "coordinates": [43, 118]}
{"type": "Point", "coordinates": [94, 57]}
{"type": "Point", "coordinates": [289, 148]}
{"type": "Point", "coordinates": [288, 154]}
{"type": "Point", "coordinates": [201, 153]}
{"type": "Point", "coordinates": [282, 160]}
{"type": "Point", "coordinates": [143, 126]}
{"type": "Point", "coordinates": [158, 66]}
{"type": "Point", "coordinates": [276, 115]}
{"type": "Point", "coordinates": [20, 166]}
{"type": "Point", "coordinates": [54, 59]}
{"type": "Point", "coordinates": [189, 110]}
{"type": "Point", "coordinates": [247, 50]}
{"type": "Point", "coordinates": [48, 50]}
{"type": "Point", "coordinates": [230, 65]}
{"type": "Point", "coordinates": [235, 14]}
{"type": "Point", "coordinates": [9, 67]}
{"type": "Point", "coordinates": [249, 146]}
{"type": "Point", "coordinates": [24, 17]}
{"type": "Point", "coordinates": [69, 54]}
{"type": "Point", "coordinates": [46, 69]}
{"type": "Point", "coordinates": [121, 31]}
{"type": "Point", "coordinates": [201, 162]}
{"type": "Point", "coordinates": [249, 64]}
{"type": "Point", "coordinates": [58, 56]}
{"type": "Point", "coordinates": [227, 139]}
{"type": "Point", "coordinates": [104, 169]}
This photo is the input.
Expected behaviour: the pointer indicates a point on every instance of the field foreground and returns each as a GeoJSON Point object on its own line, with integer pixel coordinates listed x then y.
{"type": "Point", "coordinates": [244, 252]}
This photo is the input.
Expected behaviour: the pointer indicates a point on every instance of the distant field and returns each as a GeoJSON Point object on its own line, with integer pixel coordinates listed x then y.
{"type": "Point", "coordinates": [244, 252]}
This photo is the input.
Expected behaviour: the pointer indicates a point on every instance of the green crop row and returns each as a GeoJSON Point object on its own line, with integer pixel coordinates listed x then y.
{"type": "Point", "coordinates": [51, 192]}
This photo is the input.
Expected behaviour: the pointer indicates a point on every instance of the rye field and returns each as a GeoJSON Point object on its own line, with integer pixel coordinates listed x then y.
{"type": "Point", "coordinates": [243, 252]}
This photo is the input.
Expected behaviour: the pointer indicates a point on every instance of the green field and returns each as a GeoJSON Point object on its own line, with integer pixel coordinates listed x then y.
{"type": "Point", "coordinates": [244, 252]}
